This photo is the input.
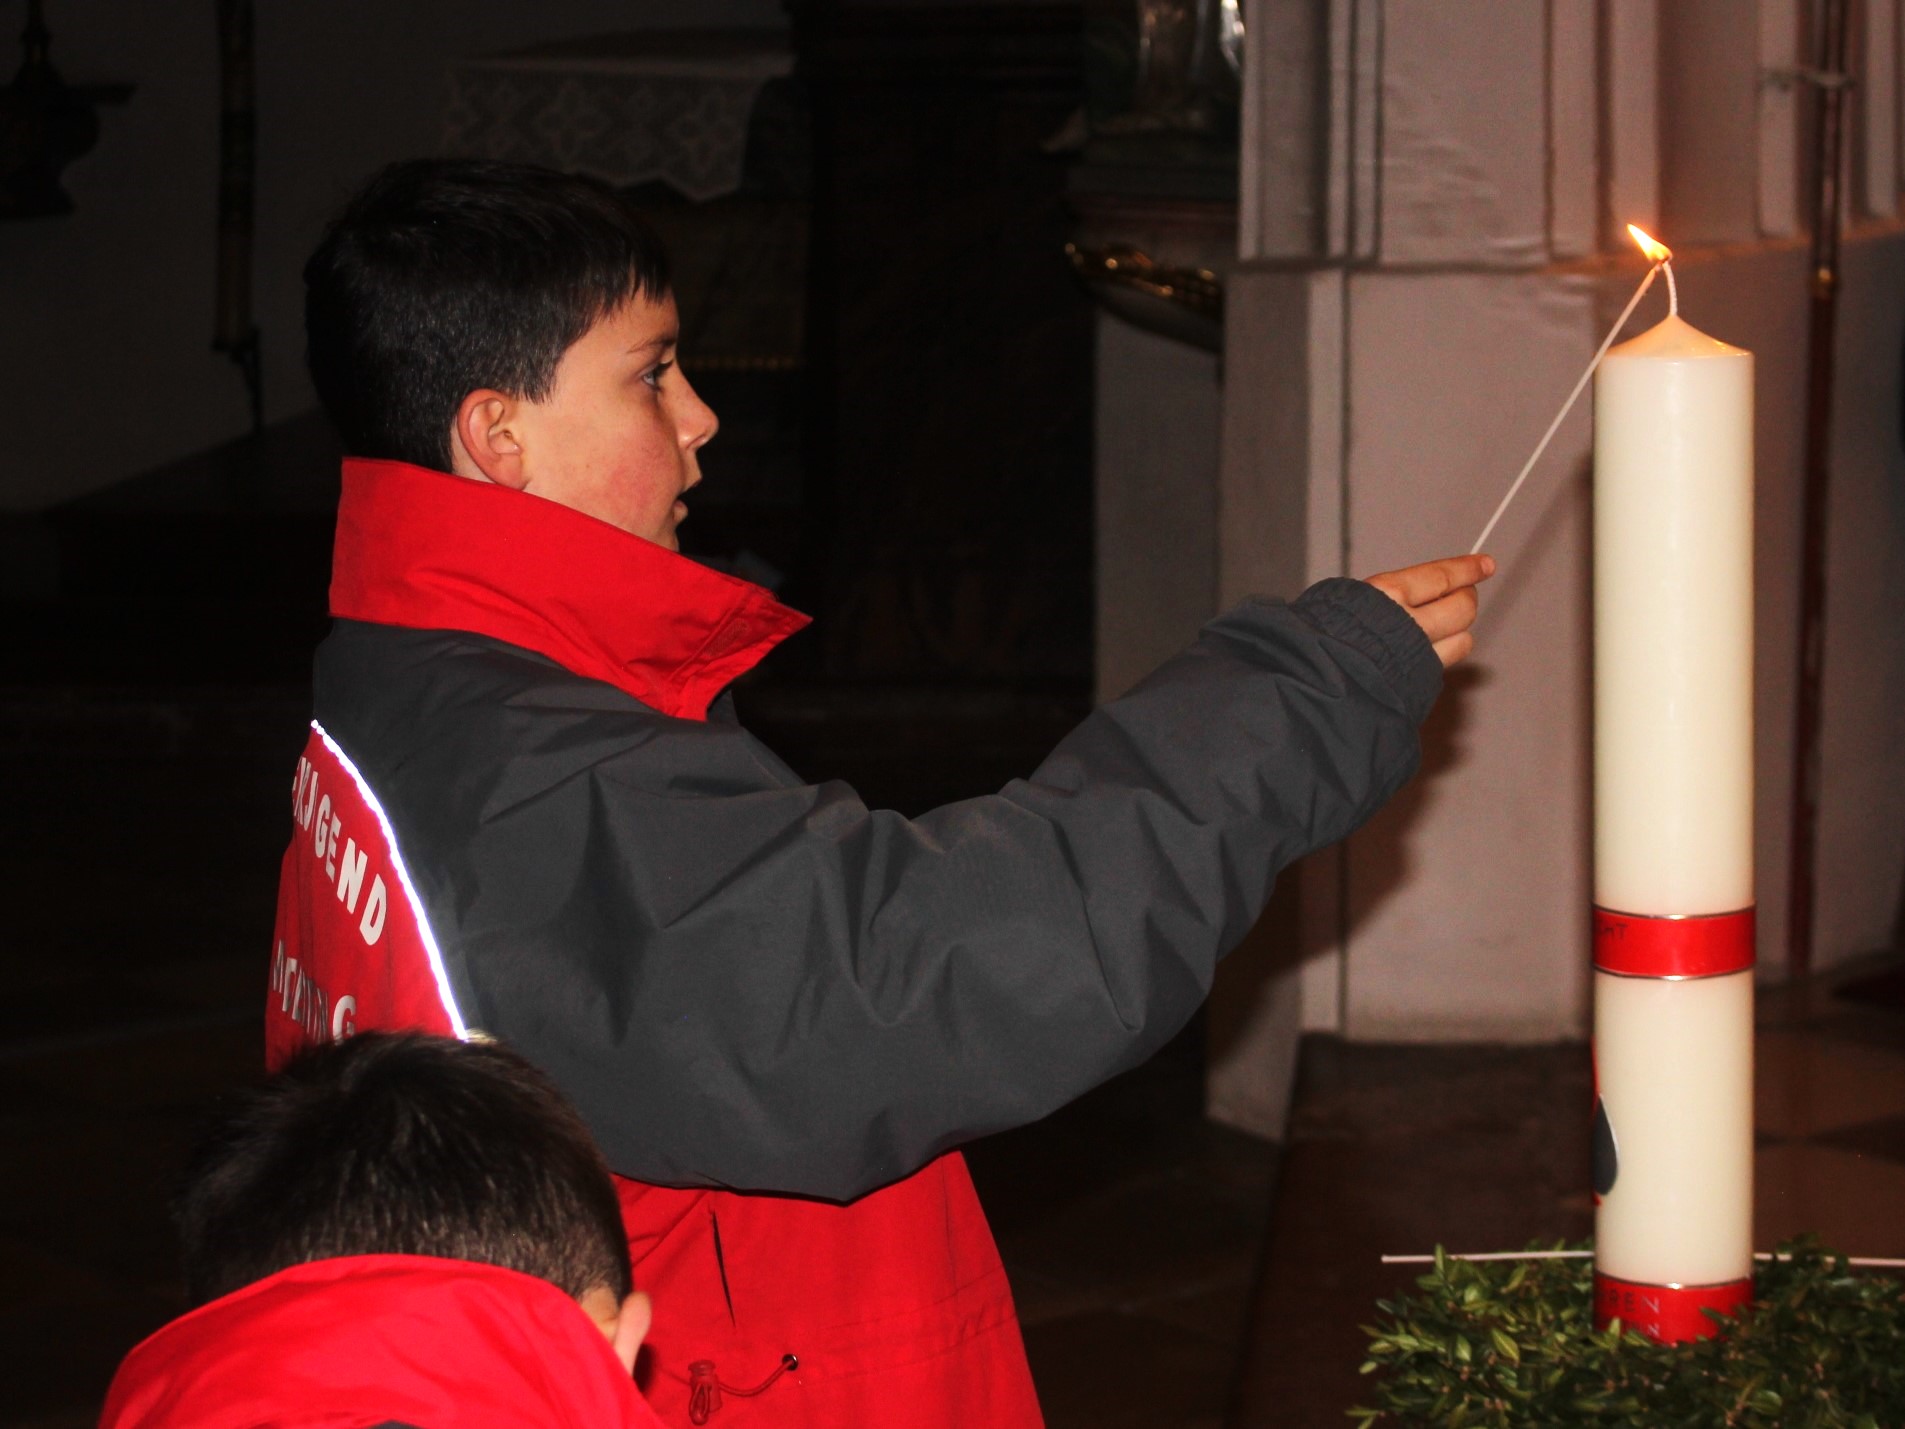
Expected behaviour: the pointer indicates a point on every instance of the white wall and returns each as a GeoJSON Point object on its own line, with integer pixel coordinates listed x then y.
{"type": "Point", "coordinates": [1475, 243]}
{"type": "Point", "coordinates": [105, 315]}
{"type": "Point", "coordinates": [1466, 896]}
{"type": "Point", "coordinates": [1462, 168]}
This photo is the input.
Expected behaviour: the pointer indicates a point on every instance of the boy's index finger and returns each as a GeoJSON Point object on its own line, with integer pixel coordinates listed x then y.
{"type": "Point", "coordinates": [1413, 586]}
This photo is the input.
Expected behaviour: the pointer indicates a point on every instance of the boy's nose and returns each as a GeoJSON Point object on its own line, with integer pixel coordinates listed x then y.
{"type": "Point", "coordinates": [698, 422]}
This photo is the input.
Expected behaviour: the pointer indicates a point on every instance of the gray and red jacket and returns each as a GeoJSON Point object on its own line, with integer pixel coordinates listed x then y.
{"type": "Point", "coordinates": [526, 809]}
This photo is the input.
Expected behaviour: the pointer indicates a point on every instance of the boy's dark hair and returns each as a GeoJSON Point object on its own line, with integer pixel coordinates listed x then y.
{"type": "Point", "coordinates": [401, 1144]}
{"type": "Point", "coordinates": [443, 276]}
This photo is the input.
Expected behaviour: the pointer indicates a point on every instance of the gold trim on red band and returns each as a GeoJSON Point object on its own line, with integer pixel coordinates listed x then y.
{"type": "Point", "coordinates": [1702, 946]}
{"type": "Point", "coordinates": [1668, 1314]}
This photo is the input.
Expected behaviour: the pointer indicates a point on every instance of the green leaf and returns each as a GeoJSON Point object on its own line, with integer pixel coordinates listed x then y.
{"type": "Point", "coordinates": [1505, 1345]}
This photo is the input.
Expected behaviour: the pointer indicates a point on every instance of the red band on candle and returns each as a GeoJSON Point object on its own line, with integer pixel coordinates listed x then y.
{"type": "Point", "coordinates": [1667, 1314]}
{"type": "Point", "coordinates": [1673, 947]}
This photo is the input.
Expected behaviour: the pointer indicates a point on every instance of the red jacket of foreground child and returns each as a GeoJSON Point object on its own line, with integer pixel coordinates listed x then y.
{"type": "Point", "coordinates": [527, 808]}
{"type": "Point", "coordinates": [380, 1340]}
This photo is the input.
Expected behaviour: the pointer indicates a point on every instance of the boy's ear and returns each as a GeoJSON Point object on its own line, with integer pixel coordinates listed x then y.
{"type": "Point", "coordinates": [484, 444]}
{"type": "Point", "coordinates": [631, 1328]}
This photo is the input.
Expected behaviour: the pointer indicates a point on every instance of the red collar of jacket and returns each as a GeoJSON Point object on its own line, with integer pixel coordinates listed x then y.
{"type": "Point", "coordinates": [371, 1339]}
{"type": "Point", "coordinates": [430, 551]}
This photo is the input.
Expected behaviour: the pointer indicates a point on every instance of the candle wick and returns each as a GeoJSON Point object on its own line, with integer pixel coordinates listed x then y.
{"type": "Point", "coordinates": [1568, 406]}
{"type": "Point", "coordinates": [1673, 293]}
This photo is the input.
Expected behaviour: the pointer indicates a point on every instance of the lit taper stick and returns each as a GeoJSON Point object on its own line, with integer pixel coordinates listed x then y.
{"type": "Point", "coordinates": [1663, 258]}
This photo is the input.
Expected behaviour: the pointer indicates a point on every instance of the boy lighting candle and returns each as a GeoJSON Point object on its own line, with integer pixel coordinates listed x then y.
{"type": "Point", "coordinates": [780, 1011]}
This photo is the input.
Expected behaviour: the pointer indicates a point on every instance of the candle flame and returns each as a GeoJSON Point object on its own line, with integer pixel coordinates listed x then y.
{"type": "Point", "coordinates": [1655, 250]}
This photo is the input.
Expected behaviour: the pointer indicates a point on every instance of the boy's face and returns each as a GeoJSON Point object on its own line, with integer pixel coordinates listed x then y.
{"type": "Point", "coordinates": [618, 435]}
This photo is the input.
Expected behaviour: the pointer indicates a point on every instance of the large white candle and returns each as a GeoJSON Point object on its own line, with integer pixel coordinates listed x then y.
{"type": "Point", "coordinates": [1675, 1064]}
{"type": "Point", "coordinates": [1673, 625]}
{"type": "Point", "coordinates": [1673, 828]}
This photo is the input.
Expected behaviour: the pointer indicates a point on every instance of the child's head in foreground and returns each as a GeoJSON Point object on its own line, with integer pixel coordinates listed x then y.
{"type": "Point", "coordinates": [405, 1144]}
{"type": "Point", "coordinates": [512, 325]}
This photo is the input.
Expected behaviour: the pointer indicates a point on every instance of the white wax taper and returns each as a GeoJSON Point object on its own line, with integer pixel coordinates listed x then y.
{"type": "Point", "coordinates": [1869, 1262]}
{"type": "Point", "coordinates": [1568, 406]}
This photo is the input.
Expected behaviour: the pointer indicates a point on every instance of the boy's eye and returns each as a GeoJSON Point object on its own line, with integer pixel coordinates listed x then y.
{"type": "Point", "coordinates": [654, 374]}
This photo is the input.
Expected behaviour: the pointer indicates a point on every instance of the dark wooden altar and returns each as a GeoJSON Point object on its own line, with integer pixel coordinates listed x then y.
{"type": "Point", "coordinates": [947, 401]}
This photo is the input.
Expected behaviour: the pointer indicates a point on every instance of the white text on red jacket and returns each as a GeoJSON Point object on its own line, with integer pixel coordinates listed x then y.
{"type": "Point", "coordinates": [344, 868]}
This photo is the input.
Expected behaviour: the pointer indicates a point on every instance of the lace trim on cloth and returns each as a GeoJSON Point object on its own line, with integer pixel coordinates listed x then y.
{"type": "Point", "coordinates": [625, 120]}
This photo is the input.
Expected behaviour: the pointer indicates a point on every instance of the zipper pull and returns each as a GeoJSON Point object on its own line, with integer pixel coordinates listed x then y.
{"type": "Point", "coordinates": [705, 1387]}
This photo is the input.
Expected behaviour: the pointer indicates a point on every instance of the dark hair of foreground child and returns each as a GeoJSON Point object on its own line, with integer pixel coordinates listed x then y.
{"type": "Point", "coordinates": [401, 1144]}
{"type": "Point", "coordinates": [396, 1230]}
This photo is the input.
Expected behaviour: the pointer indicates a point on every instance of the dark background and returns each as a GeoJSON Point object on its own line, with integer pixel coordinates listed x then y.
{"type": "Point", "coordinates": [884, 318]}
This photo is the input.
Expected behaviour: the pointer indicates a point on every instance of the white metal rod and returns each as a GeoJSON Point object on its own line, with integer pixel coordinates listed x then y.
{"type": "Point", "coordinates": [1863, 1261]}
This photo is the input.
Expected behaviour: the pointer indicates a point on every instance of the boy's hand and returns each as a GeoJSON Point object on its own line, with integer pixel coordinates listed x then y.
{"type": "Point", "coordinates": [1441, 597]}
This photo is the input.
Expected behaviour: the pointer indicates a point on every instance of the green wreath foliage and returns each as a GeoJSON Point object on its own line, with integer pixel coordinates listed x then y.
{"type": "Point", "coordinates": [1501, 1343]}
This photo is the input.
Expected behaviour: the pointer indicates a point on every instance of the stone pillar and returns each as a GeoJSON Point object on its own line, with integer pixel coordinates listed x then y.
{"type": "Point", "coordinates": [1280, 504]}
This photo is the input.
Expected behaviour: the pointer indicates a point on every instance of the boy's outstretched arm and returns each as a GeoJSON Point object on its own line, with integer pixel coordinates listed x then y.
{"type": "Point", "coordinates": [746, 980]}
